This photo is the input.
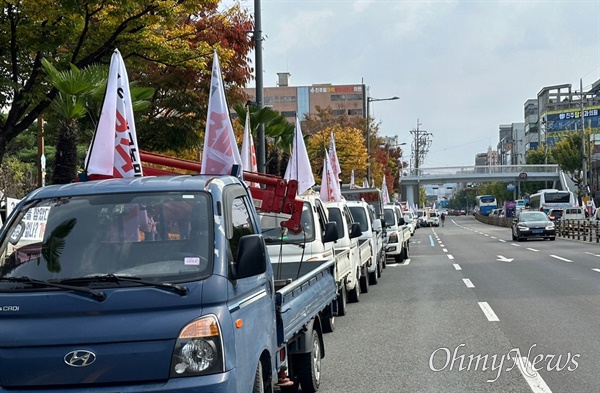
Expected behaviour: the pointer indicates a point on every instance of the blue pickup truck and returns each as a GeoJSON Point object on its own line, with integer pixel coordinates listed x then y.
{"type": "Point", "coordinates": [154, 284]}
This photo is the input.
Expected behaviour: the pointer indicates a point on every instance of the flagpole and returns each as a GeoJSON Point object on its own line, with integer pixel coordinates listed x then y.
{"type": "Point", "coordinates": [260, 133]}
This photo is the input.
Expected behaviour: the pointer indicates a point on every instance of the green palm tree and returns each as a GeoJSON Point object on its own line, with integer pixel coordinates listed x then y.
{"type": "Point", "coordinates": [81, 93]}
{"type": "Point", "coordinates": [75, 88]}
{"type": "Point", "coordinates": [278, 131]}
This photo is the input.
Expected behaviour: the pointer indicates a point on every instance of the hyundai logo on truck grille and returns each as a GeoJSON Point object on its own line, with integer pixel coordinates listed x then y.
{"type": "Point", "coordinates": [80, 358]}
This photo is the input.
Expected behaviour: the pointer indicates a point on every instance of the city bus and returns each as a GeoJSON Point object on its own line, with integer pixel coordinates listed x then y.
{"type": "Point", "coordinates": [544, 200]}
{"type": "Point", "coordinates": [485, 204]}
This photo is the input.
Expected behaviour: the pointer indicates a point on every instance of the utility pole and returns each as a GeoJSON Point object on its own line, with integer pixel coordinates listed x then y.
{"type": "Point", "coordinates": [260, 136]}
{"type": "Point", "coordinates": [584, 158]}
{"type": "Point", "coordinates": [421, 143]}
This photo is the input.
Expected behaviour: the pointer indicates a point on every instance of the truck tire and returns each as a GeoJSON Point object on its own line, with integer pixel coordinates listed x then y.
{"type": "Point", "coordinates": [259, 380]}
{"type": "Point", "coordinates": [354, 295]}
{"type": "Point", "coordinates": [328, 320]}
{"type": "Point", "coordinates": [309, 366]}
{"type": "Point", "coordinates": [373, 276]}
{"type": "Point", "coordinates": [342, 300]}
{"type": "Point", "coordinates": [364, 280]}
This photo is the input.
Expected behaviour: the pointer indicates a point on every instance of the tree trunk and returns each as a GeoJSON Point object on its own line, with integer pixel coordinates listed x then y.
{"type": "Point", "coordinates": [65, 163]}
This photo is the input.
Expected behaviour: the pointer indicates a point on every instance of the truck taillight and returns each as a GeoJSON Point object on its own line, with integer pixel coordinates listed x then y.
{"type": "Point", "coordinates": [199, 349]}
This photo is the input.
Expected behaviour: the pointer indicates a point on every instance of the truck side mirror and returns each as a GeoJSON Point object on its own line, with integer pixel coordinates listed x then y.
{"type": "Point", "coordinates": [251, 257]}
{"type": "Point", "coordinates": [355, 231]}
{"type": "Point", "coordinates": [401, 221]}
{"type": "Point", "coordinates": [377, 225]}
{"type": "Point", "coordinates": [383, 223]}
{"type": "Point", "coordinates": [331, 232]}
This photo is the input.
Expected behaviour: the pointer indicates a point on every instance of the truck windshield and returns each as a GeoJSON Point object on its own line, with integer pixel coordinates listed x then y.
{"type": "Point", "coordinates": [154, 237]}
{"type": "Point", "coordinates": [360, 215]}
{"type": "Point", "coordinates": [272, 231]}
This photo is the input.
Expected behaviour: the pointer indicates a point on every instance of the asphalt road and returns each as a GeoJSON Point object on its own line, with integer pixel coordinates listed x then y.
{"type": "Point", "coordinates": [473, 311]}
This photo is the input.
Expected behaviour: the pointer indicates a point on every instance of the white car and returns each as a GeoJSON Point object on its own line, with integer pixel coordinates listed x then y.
{"type": "Point", "coordinates": [434, 219]}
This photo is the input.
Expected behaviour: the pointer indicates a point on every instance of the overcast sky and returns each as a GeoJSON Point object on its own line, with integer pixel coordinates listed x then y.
{"type": "Point", "coordinates": [462, 68]}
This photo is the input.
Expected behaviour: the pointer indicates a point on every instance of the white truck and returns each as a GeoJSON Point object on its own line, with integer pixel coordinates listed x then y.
{"type": "Point", "coordinates": [315, 242]}
{"type": "Point", "coordinates": [371, 229]}
{"type": "Point", "coordinates": [348, 240]}
{"type": "Point", "coordinates": [398, 233]}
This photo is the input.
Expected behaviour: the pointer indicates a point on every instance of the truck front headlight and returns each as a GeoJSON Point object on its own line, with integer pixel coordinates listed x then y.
{"type": "Point", "coordinates": [198, 349]}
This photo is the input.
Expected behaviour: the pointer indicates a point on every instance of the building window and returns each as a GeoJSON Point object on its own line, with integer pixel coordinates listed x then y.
{"type": "Point", "coordinates": [271, 100]}
{"type": "Point", "coordinates": [355, 97]}
{"type": "Point", "coordinates": [355, 112]}
{"type": "Point", "coordinates": [338, 97]}
{"type": "Point", "coordinates": [288, 99]}
{"type": "Point", "coordinates": [288, 113]}
{"type": "Point", "coordinates": [339, 112]}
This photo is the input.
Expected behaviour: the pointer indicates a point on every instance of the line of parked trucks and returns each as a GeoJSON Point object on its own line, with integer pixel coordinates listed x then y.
{"type": "Point", "coordinates": [183, 283]}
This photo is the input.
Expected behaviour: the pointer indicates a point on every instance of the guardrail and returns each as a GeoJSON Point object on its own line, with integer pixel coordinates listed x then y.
{"type": "Point", "coordinates": [583, 230]}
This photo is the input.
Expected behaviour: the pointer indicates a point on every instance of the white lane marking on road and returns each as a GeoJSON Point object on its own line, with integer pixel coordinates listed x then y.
{"type": "Point", "coordinates": [592, 254]}
{"type": "Point", "coordinates": [450, 256]}
{"type": "Point", "coordinates": [504, 259]}
{"type": "Point", "coordinates": [406, 262]}
{"type": "Point", "coordinates": [489, 313]}
{"type": "Point", "coordinates": [516, 245]}
{"type": "Point", "coordinates": [444, 250]}
{"type": "Point", "coordinates": [532, 249]}
{"type": "Point", "coordinates": [493, 237]}
{"type": "Point", "coordinates": [485, 234]}
{"type": "Point", "coordinates": [596, 270]}
{"type": "Point", "coordinates": [532, 377]}
{"type": "Point", "coordinates": [561, 258]}
{"type": "Point", "coordinates": [502, 240]}
{"type": "Point", "coordinates": [468, 283]}
{"type": "Point", "coordinates": [457, 266]}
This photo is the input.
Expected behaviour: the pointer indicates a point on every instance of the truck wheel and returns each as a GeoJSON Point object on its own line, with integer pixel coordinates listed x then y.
{"type": "Point", "coordinates": [383, 260]}
{"type": "Point", "coordinates": [373, 276]}
{"type": "Point", "coordinates": [342, 300]}
{"type": "Point", "coordinates": [259, 383]}
{"type": "Point", "coordinates": [364, 282]}
{"type": "Point", "coordinates": [379, 269]}
{"type": "Point", "coordinates": [399, 258]}
{"type": "Point", "coordinates": [328, 320]}
{"type": "Point", "coordinates": [354, 295]}
{"type": "Point", "coordinates": [309, 366]}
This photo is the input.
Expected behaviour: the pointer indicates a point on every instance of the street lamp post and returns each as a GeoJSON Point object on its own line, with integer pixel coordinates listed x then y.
{"type": "Point", "coordinates": [369, 100]}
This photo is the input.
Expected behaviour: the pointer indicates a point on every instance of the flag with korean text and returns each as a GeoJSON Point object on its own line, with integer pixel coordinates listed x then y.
{"type": "Point", "coordinates": [330, 188]}
{"type": "Point", "coordinates": [352, 185]}
{"type": "Point", "coordinates": [298, 167]}
{"type": "Point", "coordinates": [248, 152]}
{"type": "Point", "coordinates": [220, 148]}
{"type": "Point", "coordinates": [333, 159]}
{"type": "Point", "coordinates": [114, 150]}
{"type": "Point", "coordinates": [385, 195]}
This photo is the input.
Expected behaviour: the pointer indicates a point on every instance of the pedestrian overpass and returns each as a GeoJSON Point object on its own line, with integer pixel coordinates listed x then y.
{"type": "Point", "coordinates": [414, 178]}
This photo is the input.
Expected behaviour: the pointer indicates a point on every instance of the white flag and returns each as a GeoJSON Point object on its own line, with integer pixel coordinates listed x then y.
{"type": "Point", "coordinates": [298, 167]}
{"type": "Point", "coordinates": [220, 149]}
{"type": "Point", "coordinates": [114, 149]}
{"type": "Point", "coordinates": [330, 188]}
{"type": "Point", "coordinates": [333, 159]}
{"type": "Point", "coordinates": [352, 185]}
{"type": "Point", "coordinates": [385, 196]}
{"type": "Point", "coordinates": [365, 183]}
{"type": "Point", "coordinates": [248, 152]}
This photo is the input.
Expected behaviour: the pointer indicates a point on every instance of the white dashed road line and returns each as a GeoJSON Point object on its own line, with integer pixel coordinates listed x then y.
{"type": "Point", "coordinates": [596, 270]}
{"type": "Point", "coordinates": [533, 378]}
{"type": "Point", "coordinates": [533, 249]}
{"type": "Point", "coordinates": [489, 313]}
{"type": "Point", "coordinates": [444, 250]}
{"type": "Point", "coordinates": [457, 266]}
{"type": "Point", "coordinates": [561, 258]}
{"type": "Point", "coordinates": [450, 256]}
{"type": "Point", "coordinates": [468, 283]}
{"type": "Point", "coordinates": [502, 240]}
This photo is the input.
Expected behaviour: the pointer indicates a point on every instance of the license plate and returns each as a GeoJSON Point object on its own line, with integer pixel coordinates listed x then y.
{"type": "Point", "coordinates": [537, 231]}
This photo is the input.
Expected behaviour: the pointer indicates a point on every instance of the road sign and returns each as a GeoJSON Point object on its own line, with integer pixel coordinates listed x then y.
{"type": "Point", "coordinates": [523, 175]}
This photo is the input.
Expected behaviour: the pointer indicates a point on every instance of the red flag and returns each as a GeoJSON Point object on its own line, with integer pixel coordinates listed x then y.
{"type": "Point", "coordinates": [220, 149]}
